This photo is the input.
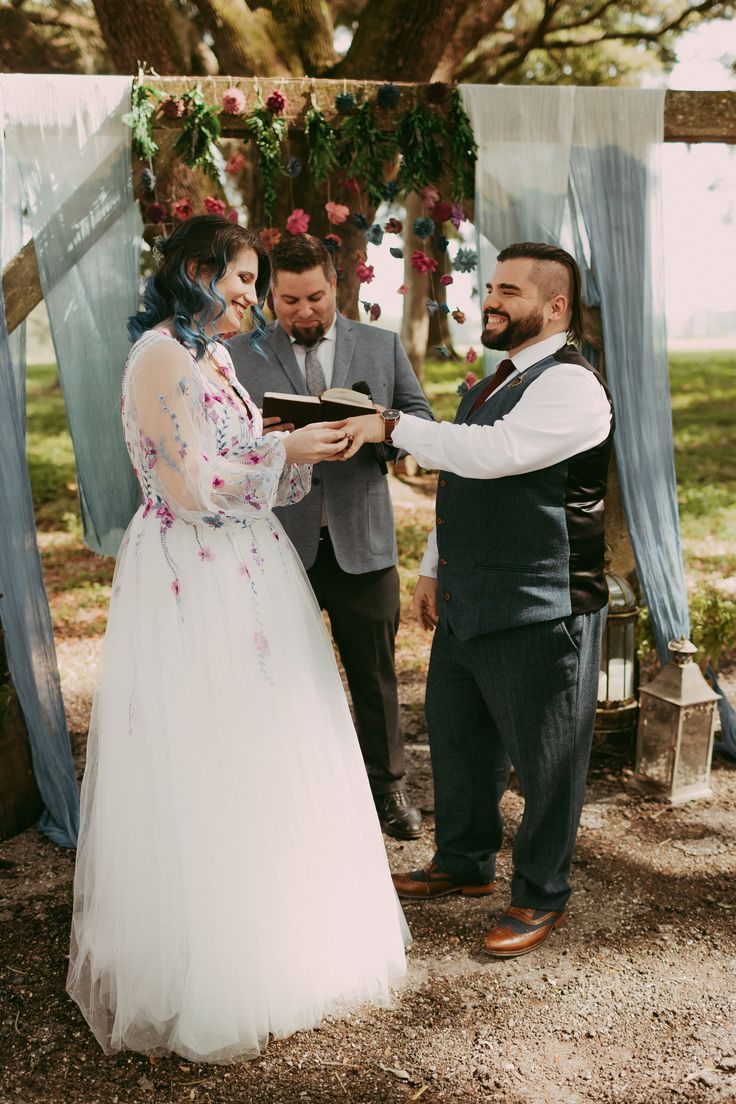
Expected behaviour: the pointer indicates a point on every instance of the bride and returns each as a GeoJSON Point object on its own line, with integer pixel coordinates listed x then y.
{"type": "Point", "coordinates": [231, 880]}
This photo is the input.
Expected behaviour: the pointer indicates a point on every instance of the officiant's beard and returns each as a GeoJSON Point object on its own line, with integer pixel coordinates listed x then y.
{"type": "Point", "coordinates": [307, 338]}
{"type": "Point", "coordinates": [515, 333]}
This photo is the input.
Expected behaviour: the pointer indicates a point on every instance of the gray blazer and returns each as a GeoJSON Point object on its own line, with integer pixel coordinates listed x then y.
{"type": "Point", "coordinates": [355, 492]}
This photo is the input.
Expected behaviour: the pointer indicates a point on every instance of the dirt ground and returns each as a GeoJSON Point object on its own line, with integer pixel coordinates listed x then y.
{"type": "Point", "coordinates": [634, 1001]}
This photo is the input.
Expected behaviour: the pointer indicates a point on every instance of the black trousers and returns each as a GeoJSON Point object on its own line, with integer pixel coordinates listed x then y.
{"type": "Point", "coordinates": [364, 616]}
{"type": "Point", "coordinates": [525, 696]}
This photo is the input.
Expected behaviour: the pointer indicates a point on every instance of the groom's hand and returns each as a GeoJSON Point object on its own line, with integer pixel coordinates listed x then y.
{"type": "Point", "coordinates": [424, 602]}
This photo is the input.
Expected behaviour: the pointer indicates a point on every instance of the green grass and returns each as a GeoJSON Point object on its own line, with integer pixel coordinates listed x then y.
{"type": "Point", "coordinates": [50, 455]}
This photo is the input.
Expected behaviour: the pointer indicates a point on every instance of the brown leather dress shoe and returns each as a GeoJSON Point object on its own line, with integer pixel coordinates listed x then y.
{"type": "Point", "coordinates": [430, 882]}
{"type": "Point", "coordinates": [520, 930]}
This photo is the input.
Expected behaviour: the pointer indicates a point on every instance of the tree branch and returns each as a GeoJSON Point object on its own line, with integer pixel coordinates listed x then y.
{"type": "Point", "coordinates": [479, 20]}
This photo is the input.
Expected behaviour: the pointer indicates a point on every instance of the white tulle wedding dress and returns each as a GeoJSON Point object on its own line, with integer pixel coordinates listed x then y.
{"type": "Point", "coordinates": [231, 879]}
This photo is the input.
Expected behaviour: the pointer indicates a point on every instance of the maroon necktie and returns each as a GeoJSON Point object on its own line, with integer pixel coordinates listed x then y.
{"type": "Point", "coordinates": [503, 371]}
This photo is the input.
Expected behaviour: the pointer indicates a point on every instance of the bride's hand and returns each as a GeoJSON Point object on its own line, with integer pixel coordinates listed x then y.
{"type": "Point", "coordinates": [320, 441]}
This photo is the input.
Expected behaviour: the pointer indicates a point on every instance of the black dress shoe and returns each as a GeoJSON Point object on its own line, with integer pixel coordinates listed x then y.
{"type": "Point", "coordinates": [398, 817]}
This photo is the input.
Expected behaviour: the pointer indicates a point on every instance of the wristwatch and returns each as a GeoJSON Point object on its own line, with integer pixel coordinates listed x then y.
{"type": "Point", "coordinates": [390, 418]}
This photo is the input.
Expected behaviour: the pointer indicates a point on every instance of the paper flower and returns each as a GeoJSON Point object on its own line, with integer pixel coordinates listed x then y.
{"type": "Point", "coordinates": [390, 190]}
{"type": "Point", "coordinates": [270, 236]}
{"type": "Point", "coordinates": [469, 380]}
{"type": "Point", "coordinates": [360, 222]}
{"type": "Point", "coordinates": [421, 263]}
{"type": "Point", "coordinates": [442, 352]}
{"type": "Point", "coordinates": [375, 312]}
{"type": "Point", "coordinates": [148, 181]}
{"type": "Point", "coordinates": [173, 109]}
{"type": "Point", "coordinates": [457, 215]}
{"type": "Point", "coordinates": [441, 212]}
{"type": "Point", "coordinates": [465, 260]}
{"type": "Point", "coordinates": [232, 215]}
{"type": "Point", "coordinates": [388, 95]}
{"type": "Point", "coordinates": [298, 221]}
{"type": "Point", "coordinates": [182, 209]}
{"type": "Point", "coordinates": [156, 212]}
{"type": "Point", "coordinates": [459, 316]}
{"type": "Point", "coordinates": [403, 290]}
{"type": "Point", "coordinates": [471, 356]}
{"type": "Point", "coordinates": [446, 280]}
{"type": "Point", "coordinates": [337, 213]}
{"type": "Point", "coordinates": [332, 242]}
{"type": "Point", "coordinates": [364, 272]}
{"type": "Point", "coordinates": [443, 308]}
{"type": "Point", "coordinates": [365, 305]}
{"type": "Point", "coordinates": [345, 103]}
{"type": "Point", "coordinates": [352, 185]}
{"type": "Point", "coordinates": [233, 101]}
{"type": "Point", "coordinates": [394, 226]}
{"type": "Point", "coordinates": [293, 167]}
{"type": "Point", "coordinates": [375, 234]}
{"type": "Point", "coordinates": [235, 163]}
{"type": "Point", "coordinates": [214, 206]}
{"type": "Point", "coordinates": [432, 305]}
{"type": "Point", "coordinates": [429, 196]}
{"type": "Point", "coordinates": [423, 227]}
{"type": "Point", "coordinates": [276, 103]}
{"type": "Point", "coordinates": [396, 251]}
{"type": "Point", "coordinates": [441, 243]}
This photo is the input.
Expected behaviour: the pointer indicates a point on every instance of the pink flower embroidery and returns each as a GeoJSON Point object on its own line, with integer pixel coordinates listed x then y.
{"type": "Point", "coordinates": [364, 272]}
{"type": "Point", "coordinates": [298, 221]}
{"type": "Point", "coordinates": [217, 482]}
{"type": "Point", "coordinates": [243, 570]}
{"type": "Point", "coordinates": [235, 163]}
{"type": "Point", "coordinates": [421, 263]}
{"type": "Point", "coordinates": [148, 507]}
{"type": "Point", "coordinates": [261, 643]}
{"type": "Point", "coordinates": [233, 101]}
{"type": "Point", "coordinates": [214, 206]}
{"type": "Point", "coordinates": [206, 554]}
{"type": "Point", "coordinates": [175, 588]}
{"type": "Point", "coordinates": [337, 213]}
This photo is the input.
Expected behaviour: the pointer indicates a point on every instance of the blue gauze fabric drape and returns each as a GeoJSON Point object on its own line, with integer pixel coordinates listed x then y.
{"type": "Point", "coordinates": [73, 153]}
{"type": "Point", "coordinates": [24, 608]}
{"type": "Point", "coordinates": [598, 149]}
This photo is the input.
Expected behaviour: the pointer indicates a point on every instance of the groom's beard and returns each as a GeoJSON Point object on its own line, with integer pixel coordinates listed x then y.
{"type": "Point", "coordinates": [514, 333]}
{"type": "Point", "coordinates": [309, 337]}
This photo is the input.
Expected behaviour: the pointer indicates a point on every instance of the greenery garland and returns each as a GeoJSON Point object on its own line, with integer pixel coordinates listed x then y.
{"type": "Point", "coordinates": [364, 149]}
{"type": "Point", "coordinates": [463, 149]}
{"type": "Point", "coordinates": [268, 132]}
{"type": "Point", "coordinates": [418, 137]}
{"type": "Point", "coordinates": [143, 99]}
{"type": "Point", "coordinates": [322, 143]}
{"type": "Point", "coordinates": [200, 132]}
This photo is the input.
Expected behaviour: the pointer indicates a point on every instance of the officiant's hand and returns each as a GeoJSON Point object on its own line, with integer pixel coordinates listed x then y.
{"type": "Point", "coordinates": [364, 429]}
{"type": "Point", "coordinates": [274, 423]}
{"type": "Point", "coordinates": [424, 602]}
{"type": "Point", "coordinates": [320, 441]}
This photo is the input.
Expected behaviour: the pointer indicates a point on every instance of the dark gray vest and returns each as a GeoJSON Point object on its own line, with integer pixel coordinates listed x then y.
{"type": "Point", "coordinates": [524, 548]}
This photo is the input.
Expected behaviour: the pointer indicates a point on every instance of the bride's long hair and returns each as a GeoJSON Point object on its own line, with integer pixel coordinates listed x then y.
{"type": "Point", "coordinates": [212, 243]}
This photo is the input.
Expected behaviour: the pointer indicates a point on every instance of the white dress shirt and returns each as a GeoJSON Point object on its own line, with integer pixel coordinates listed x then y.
{"type": "Point", "coordinates": [325, 353]}
{"type": "Point", "coordinates": [562, 413]}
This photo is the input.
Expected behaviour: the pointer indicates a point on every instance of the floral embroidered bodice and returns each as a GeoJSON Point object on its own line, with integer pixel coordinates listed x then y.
{"type": "Point", "coordinates": [197, 448]}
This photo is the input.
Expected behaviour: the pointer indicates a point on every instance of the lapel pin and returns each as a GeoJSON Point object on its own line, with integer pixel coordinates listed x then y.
{"type": "Point", "coordinates": [517, 382]}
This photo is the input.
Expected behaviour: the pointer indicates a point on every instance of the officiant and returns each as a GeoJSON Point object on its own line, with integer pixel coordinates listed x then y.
{"type": "Point", "coordinates": [344, 529]}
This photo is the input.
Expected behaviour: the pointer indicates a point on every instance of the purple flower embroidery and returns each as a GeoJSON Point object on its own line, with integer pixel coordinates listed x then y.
{"type": "Point", "coordinates": [166, 516]}
{"type": "Point", "coordinates": [149, 450]}
{"type": "Point", "coordinates": [254, 457]}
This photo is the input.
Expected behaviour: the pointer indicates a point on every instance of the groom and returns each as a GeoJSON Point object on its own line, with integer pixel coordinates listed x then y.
{"type": "Point", "coordinates": [513, 581]}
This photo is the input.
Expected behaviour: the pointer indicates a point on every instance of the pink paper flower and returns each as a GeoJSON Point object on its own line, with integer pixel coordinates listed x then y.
{"type": "Point", "coordinates": [156, 212]}
{"type": "Point", "coordinates": [182, 209]}
{"type": "Point", "coordinates": [471, 356]}
{"type": "Point", "coordinates": [233, 101]}
{"type": "Point", "coordinates": [441, 212]}
{"type": "Point", "coordinates": [270, 236]}
{"type": "Point", "coordinates": [394, 226]}
{"type": "Point", "coordinates": [446, 280]}
{"type": "Point", "coordinates": [403, 290]}
{"type": "Point", "coordinates": [421, 263]}
{"type": "Point", "coordinates": [173, 109]}
{"type": "Point", "coordinates": [276, 102]}
{"type": "Point", "coordinates": [352, 186]}
{"type": "Point", "coordinates": [459, 316]}
{"type": "Point", "coordinates": [298, 221]}
{"type": "Point", "coordinates": [235, 162]}
{"type": "Point", "coordinates": [430, 196]}
{"type": "Point", "coordinates": [232, 215]}
{"type": "Point", "coordinates": [214, 206]}
{"type": "Point", "coordinates": [375, 312]}
{"type": "Point", "coordinates": [337, 213]}
{"type": "Point", "coordinates": [471, 379]}
{"type": "Point", "coordinates": [364, 272]}
{"type": "Point", "coordinates": [457, 215]}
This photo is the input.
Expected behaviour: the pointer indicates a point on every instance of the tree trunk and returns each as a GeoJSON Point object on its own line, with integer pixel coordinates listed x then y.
{"type": "Point", "coordinates": [479, 20]}
{"type": "Point", "coordinates": [415, 323]}
{"type": "Point", "coordinates": [400, 39]}
{"type": "Point", "coordinates": [246, 43]}
{"type": "Point", "coordinates": [138, 31]}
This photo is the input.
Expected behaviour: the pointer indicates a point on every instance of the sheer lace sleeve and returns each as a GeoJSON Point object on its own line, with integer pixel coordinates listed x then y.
{"type": "Point", "coordinates": [200, 458]}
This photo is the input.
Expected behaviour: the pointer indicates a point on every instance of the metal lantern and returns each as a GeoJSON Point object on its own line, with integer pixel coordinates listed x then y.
{"type": "Point", "coordinates": [677, 719]}
{"type": "Point", "coordinates": [615, 719]}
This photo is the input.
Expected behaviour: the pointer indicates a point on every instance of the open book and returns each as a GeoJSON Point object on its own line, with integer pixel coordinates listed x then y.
{"type": "Point", "coordinates": [332, 405]}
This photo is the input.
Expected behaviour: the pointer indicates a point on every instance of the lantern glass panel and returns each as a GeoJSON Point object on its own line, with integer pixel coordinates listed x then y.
{"type": "Point", "coordinates": [619, 661]}
{"type": "Point", "coordinates": [693, 760]}
{"type": "Point", "coordinates": [658, 728]}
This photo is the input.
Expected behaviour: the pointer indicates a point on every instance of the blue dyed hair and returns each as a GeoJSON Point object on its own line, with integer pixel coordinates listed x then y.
{"type": "Point", "coordinates": [212, 243]}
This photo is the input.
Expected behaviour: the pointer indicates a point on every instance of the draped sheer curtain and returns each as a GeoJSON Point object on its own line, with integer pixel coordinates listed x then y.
{"type": "Point", "coordinates": [580, 167]}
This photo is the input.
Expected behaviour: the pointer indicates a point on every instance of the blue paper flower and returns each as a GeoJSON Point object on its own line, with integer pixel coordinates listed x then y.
{"type": "Point", "coordinates": [330, 244]}
{"type": "Point", "coordinates": [375, 234]}
{"type": "Point", "coordinates": [432, 305]}
{"type": "Point", "coordinates": [395, 251]}
{"type": "Point", "coordinates": [444, 309]}
{"type": "Point", "coordinates": [366, 306]}
{"type": "Point", "coordinates": [293, 167]}
{"type": "Point", "coordinates": [345, 103]}
{"type": "Point", "coordinates": [442, 352]}
{"type": "Point", "coordinates": [423, 227]}
{"type": "Point", "coordinates": [390, 190]}
{"type": "Point", "coordinates": [360, 222]}
{"type": "Point", "coordinates": [388, 95]}
{"type": "Point", "coordinates": [465, 260]}
{"type": "Point", "coordinates": [148, 181]}
{"type": "Point", "coordinates": [441, 243]}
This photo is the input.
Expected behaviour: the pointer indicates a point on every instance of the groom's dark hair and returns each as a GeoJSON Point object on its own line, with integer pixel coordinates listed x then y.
{"type": "Point", "coordinates": [300, 253]}
{"type": "Point", "coordinates": [560, 276]}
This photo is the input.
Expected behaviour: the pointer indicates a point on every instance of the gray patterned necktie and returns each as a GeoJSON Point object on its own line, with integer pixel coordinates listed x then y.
{"type": "Point", "coordinates": [315, 377]}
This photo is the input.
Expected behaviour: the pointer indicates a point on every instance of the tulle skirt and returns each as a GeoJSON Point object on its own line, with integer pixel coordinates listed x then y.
{"type": "Point", "coordinates": [231, 879]}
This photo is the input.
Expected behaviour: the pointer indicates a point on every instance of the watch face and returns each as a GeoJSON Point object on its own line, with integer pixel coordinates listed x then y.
{"type": "Point", "coordinates": [390, 415]}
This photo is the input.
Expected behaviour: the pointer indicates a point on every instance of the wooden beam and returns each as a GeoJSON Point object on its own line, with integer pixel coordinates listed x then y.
{"type": "Point", "coordinates": [692, 117]}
